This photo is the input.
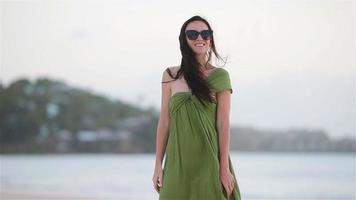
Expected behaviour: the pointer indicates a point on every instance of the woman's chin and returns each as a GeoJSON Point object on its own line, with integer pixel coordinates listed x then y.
{"type": "Point", "coordinates": [200, 52]}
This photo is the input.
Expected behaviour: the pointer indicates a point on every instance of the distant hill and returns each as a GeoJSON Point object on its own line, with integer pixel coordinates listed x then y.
{"type": "Point", "coordinates": [291, 140]}
{"type": "Point", "coordinates": [48, 116]}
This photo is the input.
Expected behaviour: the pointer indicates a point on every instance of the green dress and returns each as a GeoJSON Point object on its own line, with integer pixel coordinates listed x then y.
{"type": "Point", "coordinates": [191, 166]}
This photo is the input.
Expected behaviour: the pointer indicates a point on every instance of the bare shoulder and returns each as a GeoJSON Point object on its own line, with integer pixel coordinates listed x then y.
{"type": "Point", "coordinates": [174, 69]}
{"type": "Point", "coordinates": [169, 73]}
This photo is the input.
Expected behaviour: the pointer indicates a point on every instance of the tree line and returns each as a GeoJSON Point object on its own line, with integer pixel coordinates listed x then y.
{"type": "Point", "coordinates": [45, 115]}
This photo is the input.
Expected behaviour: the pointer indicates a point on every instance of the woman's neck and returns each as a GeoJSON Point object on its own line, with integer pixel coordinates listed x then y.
{"type": "Point", "coordinates": [202, 62]}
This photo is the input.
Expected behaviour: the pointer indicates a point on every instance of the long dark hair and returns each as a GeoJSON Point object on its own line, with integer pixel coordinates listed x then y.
{"type": "Point", "coordinates": [190, 65]}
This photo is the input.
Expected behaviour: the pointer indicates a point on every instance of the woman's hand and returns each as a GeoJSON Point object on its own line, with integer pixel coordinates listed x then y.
{"type": "Point", "coordinates": [158, 178]}
{"type": "Point", "coordinates": [228, 180]}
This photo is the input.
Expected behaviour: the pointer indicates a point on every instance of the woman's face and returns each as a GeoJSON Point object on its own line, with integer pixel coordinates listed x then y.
{"type": "Point", "coordinates": [199, 46]}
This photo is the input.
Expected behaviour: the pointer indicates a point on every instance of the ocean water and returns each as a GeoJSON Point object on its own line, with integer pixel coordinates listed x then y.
{"type": "Point", "coordinates": [129, 176]}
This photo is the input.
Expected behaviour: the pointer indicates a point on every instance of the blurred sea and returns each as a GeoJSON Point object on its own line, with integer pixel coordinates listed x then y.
{"type": "Point", "coordinates": [129, 176]}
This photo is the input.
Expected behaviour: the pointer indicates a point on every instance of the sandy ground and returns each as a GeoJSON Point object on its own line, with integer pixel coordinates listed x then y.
{"type": "Point", "coordinates": [6, 195]}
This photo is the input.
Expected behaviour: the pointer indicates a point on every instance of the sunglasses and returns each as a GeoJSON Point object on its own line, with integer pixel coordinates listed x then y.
{"type": "Point", "coordinates": [193, 35]}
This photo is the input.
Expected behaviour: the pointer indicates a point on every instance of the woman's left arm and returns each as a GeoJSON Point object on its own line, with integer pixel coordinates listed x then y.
{"type": "Point", "coordinates": [223, 126]}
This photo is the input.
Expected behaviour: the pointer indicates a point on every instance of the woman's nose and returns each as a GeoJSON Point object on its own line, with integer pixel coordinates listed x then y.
{"type": "Point", "coordinates": [199, 37]}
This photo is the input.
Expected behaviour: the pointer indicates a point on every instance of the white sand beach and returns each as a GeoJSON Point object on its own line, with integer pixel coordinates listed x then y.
{"type": "Point", "coordinates": [18, 195]}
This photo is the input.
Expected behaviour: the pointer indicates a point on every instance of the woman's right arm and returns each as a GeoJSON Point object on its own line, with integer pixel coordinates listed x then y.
{"type": "Point", "coordinates": [162, 132]}
{"type": "Point", "coordinates": [163, 122]}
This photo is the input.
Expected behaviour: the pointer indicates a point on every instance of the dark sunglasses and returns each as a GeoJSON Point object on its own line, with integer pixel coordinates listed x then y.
{"type": "Point", "coordinates": [193, 34]}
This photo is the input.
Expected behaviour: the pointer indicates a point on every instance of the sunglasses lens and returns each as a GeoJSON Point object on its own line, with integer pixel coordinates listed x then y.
{"type": "Point", "coordinates": [192, 35]}
{"type": "Point", "coordinates": [206, 34]}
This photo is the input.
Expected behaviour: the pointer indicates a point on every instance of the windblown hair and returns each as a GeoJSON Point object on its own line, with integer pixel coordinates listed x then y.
{"type": "Point", "coordinates": [190, 65]}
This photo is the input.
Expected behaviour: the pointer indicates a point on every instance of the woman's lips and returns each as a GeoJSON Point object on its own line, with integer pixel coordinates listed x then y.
{"type": "Point", "coordinates": [199, 45]}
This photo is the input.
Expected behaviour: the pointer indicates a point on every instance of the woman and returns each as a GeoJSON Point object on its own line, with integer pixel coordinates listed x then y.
{"type": "Point", "coordinates": [194, 123]}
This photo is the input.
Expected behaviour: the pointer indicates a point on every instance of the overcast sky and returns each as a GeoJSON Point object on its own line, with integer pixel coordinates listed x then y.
{"type": "Point", "coordinates": [291, 63]}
